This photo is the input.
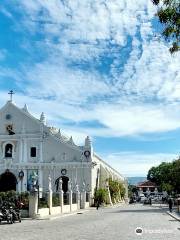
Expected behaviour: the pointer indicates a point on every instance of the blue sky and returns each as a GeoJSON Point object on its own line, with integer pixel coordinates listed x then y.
{"type": "Point", "coordinates": [97, 68]}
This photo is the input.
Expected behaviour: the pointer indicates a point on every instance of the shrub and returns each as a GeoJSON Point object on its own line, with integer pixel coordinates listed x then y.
{"type": "Point", "coordinates": [100, 195]}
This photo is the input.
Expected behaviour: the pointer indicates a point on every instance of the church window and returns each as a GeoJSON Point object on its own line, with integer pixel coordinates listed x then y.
{"type": "Point", "coordinates": [33, 151]}
{"type": "Point", "coordinates": [10, 130]}
{"type": "Point", "coordinates": [8, 150]}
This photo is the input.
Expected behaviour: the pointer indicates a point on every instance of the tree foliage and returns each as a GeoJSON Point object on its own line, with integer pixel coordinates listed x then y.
{"type": "Point", "coordinates": [169, 15]}
{"type": "Point", "coordinates": [116, 188]}
{"type": "Point", "coordinates": [132, 189]}
{"type": "Point", "coordinates": [100, 195]}
{"type": "Point", "coordinates": [166, 175]}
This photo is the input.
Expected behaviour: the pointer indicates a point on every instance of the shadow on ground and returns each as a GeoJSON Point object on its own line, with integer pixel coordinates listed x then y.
{"type": "Point", "coordinates": [143, 210]}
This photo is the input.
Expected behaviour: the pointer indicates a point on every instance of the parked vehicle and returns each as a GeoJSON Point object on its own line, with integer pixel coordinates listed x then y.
{"type": "Point", "coordinates": [5, 215]}
{"type": "Point", "coordinates": [132, 200]}
{"type": "Point", "coordinates": [16, 214]}
{"type": "Point", "coordinates": [142, 198]}
{"type": "Point", "coordinates": [147, 201]}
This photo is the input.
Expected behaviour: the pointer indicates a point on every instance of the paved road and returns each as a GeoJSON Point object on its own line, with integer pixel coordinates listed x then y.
{"type": "Point", "coordinates": [108, 223]}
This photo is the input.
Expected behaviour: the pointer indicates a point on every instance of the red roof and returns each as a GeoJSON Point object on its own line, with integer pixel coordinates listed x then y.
{"type": "Point", "coordinates": [147, 184]}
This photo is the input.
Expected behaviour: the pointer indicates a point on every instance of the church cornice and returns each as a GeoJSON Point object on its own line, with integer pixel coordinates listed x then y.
{"type": "Point", "coordinates": [46, 165]}
{"type": "Point", "coordinates": [69, 144]}
{"type": "Point", "coordinates": [107, 166]}
{"type": "Point", "coordinates": [5, 137]}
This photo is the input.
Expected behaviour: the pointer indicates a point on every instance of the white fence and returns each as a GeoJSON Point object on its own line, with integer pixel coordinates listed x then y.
{"type": "Point", "coordinates": [59, 204]}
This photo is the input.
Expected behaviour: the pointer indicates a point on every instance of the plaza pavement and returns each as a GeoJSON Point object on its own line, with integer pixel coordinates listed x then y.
{"type": "Point", "coordinates": [107, 223]}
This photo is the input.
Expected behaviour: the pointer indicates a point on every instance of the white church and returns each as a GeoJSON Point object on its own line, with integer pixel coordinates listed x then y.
{"type": "Point", "coordinates": [29, 148]}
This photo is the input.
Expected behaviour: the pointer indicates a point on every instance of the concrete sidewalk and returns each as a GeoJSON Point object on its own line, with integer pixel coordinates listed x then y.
{"type": "Point", "coordinates": [53, 217]}
{"type": "Point", "coordinates": [174, 214]}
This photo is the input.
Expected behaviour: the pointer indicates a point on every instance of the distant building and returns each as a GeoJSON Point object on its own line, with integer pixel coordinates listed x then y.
{"type": "Point", "coordinates": [147, 187]}
{"type": "Point", "coordinates": [30, 151]}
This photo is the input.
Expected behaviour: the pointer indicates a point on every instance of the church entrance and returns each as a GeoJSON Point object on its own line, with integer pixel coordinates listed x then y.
{"type": "Point", "coordinates": [64, 183]}
{"type": "Point", "coordinates": [8, 181]}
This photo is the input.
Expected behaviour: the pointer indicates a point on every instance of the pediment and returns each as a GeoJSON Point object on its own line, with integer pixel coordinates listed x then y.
{"type": "Point", "coordinates": [17, 120]}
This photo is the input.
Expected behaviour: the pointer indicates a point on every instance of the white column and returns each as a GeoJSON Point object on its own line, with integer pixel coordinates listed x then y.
{"type": "Point", "coordinates": [40, 178]}
{"type": "Point", "coordinates": [83, 200]}
{"type": "Point", "coordinates": [41, 151]}
{"type": "Point", "coordinates": [33, 205]}
{"type": "Point", "coordinates": [70, 194]}
{"type": "Point", "coordinates": [49, 194]}
{"type": "Point", "coordinates": [20, 150]}
{"type": "Point", "coordinates": [77, 197]}
{"type": "Point", "coordinates": [61, 194]}
{"type": "Point", "coordinates": [25, 153]}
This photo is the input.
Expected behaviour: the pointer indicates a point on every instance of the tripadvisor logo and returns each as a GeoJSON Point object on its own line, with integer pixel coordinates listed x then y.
{"type": "Point", "coordinates": [139, 231]}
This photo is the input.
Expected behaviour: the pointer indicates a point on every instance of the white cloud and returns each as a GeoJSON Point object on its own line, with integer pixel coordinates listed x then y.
{"type": "Point", "coordinates": [3, 54]}
{"type": "Point", "coordinates": [139, 97]}
{"type": "Point", "coordinates": [137, 163]}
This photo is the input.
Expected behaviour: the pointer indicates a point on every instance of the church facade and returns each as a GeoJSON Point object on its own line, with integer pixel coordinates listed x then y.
{"type": "Point", "coordinates": [30, 150]}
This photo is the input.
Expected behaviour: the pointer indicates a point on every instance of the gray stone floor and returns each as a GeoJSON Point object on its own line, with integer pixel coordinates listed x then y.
{"type": "Point", "coordinates": [106, 223]}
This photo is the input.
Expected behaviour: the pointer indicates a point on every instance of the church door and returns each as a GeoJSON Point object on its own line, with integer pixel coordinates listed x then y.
{"type": "Point", "coordinates": [64, 183]}
{"type": "Point", "coordinates": [7, 182]}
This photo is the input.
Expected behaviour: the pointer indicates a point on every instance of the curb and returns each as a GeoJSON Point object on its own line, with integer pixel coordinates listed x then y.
{"type": "Point", "coordinates": [61, 215]}
{"type": "Point", "coordinates": [173, 215]}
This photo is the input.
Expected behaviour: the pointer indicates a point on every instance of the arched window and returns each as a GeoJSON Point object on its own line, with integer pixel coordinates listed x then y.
{"type": "Point", "coordinates": [8, 150]}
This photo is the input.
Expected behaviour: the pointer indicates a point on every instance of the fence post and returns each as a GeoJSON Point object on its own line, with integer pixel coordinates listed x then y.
{"type": "Point", "coordinates": [83, 199]}
{"type": "Point", "coordinates": [77, 197]}
{"type": "Point", "coordinates": [89, 198]}
{"type": "Point", "coordinates": [61, 195]}
{"type": "Point", "coordinates": [33, 203]}
{"type": "Point", "coordinates": [50, 195]}
{"type": "Point", "coordinates": [70, 194]}
{"type": "Point", "coordinates": [109, 200]}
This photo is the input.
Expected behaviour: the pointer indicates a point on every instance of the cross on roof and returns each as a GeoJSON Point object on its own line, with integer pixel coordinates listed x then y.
{"type": "Point", "coordinates": [11, 94]}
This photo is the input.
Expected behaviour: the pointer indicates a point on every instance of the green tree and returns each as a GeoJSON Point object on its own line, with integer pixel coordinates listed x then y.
{"type": "Point", "coordinates": [161, 173]}
{"type": "Point", "coordinates": [132, 189]}
{"type": "Point", "coordinates": [166, 176]}
{"type": "Point", "coordinates": [167, 187]}
{"type": "Point", "coordinates": [116, 188]}
{"type": "Point", "coordinates": [169, 15]}
{"type": "Point", "coordinates": [100, 195]}
{"type": "Point", "coordinates": [176, 175]}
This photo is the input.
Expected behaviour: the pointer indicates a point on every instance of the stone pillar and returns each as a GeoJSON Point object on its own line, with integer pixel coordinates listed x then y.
{"type": "Point", "coordinates": [83, 204]}
{"type": "Point", "coordinates": [91, 200]}
{"type": "Point", "coordinates": [61, 193]}
{"type": "Point", "coordinates": [109, 200]}
{"type": "Point", "coordinates": [40, 180]}
{"type": "Point", "coordinates": [70, 194]}
{"type": "Point", "coordinates": [77, 197]}
{"type": "Point", "coordinates": [83, 197]}
{"type": "Point", "coordinates": [33, 204]}
{"type": "Point", "coordinates": [50, 195]}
